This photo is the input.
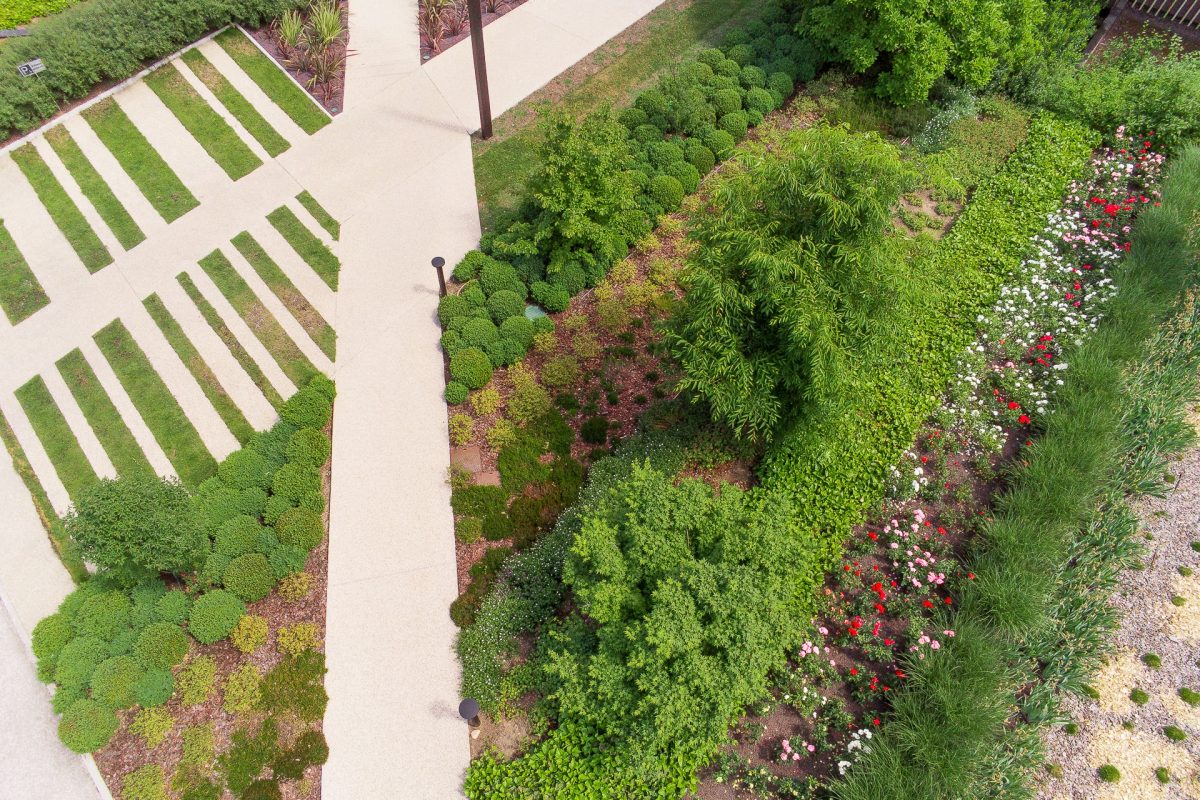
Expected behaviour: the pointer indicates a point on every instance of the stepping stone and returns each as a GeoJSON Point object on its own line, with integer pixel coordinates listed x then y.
{"type": "Point", "coordinates": [77, 422]}
{"type": "Point", "coordinates": [77, 196]}
{"type": "Point", "coordinates": [468, 458]}
{"type": "Point", "coordinates": [221, 110]}
{"type": "Point", "coordinates": [275, 116]}
{"type": "Point", "coordinates": [53, 261]}
{"type": "Point", "coordinates": [43, 467]}
{"type": "Point", "coordinates": [487, 479]}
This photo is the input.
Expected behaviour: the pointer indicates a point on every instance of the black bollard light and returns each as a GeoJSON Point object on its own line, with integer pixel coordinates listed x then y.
{"type": "Point", "coordinates": [468, 709]}
{"type": "Point", "coordinates": [438, 263]}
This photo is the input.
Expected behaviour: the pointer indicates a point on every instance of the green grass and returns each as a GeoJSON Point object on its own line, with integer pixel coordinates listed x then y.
{"type": "Point", "coordinates": [20, 292]}
{"type": "Point", "coordinates": [114, 435]}
{"type": "Point", "coordinates": [72, 466]}
{"type": "Point", "coordinates": [268, 330]}
{"type": "Point", "coordinates": [62, 209]}
{"type": "Point", "coordinates": [66, 549]}
{"type": "Point", "coordinates": [213, 133]}
{"type": "Point", "coordinates": [310, 248]}
{"type": "Point", "coordinates": [276, 83]}
{"type": "Point", "coordinates": [236, 103]}
{"type": "Point", "coordinates": [95, 188]}
{"type": "Point", "coordinates": [323, 217]}
{"type": "Point", "coordinates": [173, 431]}
{"type": "Point", "coordinates": [189, 355]}
{"type": "Point", "coordinates": [157, 181]}
{"type": "Point", "coordinates": [295, 302]}
{"type": "Point", "coordinates": [226, 335]}
{"type": "Point", "coordinates": [611, 76]}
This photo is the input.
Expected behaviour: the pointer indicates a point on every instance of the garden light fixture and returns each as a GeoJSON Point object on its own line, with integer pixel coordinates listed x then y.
{"type": "Point", "coordinates": [438, 263]}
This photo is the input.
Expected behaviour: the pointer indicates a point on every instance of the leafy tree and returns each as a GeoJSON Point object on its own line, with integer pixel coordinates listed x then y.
{"type": "Point", "coordinates": [138, 526]}
{"type": "Point", "coordinates": [686, 600]}
{"type": "Point", "coordinates": [794, 271]}
{"type": "Point", "coordinates": [913, 43]}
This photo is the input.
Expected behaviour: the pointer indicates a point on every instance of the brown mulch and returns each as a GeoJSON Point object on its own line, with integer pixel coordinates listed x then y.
{"type": "Point", "coordinates": [127, 751]}
{"type": "Point", "coordinates": [447, 42]}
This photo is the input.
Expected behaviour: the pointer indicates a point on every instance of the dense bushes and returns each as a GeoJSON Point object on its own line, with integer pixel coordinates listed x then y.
{"type": "Point", "coordinates": [103, 41]}
{"type": "Point", "coordinates": [86, 726]}
{"type": "Point", "coordinates": [214, 615]}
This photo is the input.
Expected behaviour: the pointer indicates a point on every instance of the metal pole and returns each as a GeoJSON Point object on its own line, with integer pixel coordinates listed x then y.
{"type": "Point", "coordinates": [481, 81]}
{"type": "Point", "coordinates": [439, 262]}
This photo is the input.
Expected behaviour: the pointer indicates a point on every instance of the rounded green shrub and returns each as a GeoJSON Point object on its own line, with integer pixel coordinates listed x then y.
{"type": "Point", "coordinates": [286, 559]}
{"type": "Point", "coordinates": [1152, 660]}
{"type": "Point", "coordinates": [1139, 697]}
{"type": "Point", "coordinates": [471, 367]}
{"type": "Point", "coordinates": [244, 469]}
{"type": "Point", "coordinates": [1108, 773]}
{"type": "Point", "coordinates": [666, 191]}
{"type": "Point", "coordinates": [1174, 733]}
{"type": "Point", "coordinates": [307, 408]}
{"type": "Point", "coordinates": [594, 430]}
{"type": "Point", "coordinates": [236, 536]}
{"type": "Point", "coordinates": [571, 276]}
{"type": "Point", "coordinates": [87, 726]}
{"type": "Point", "coordinates": [503, 352]}
{"type": "Point", "coordinates": [499, 275]}
{"type": "Point", "coordinates": [114, 680]}
{"type": "Point", "coordinates": [173, 607]}
{"type": "Point", "coordinates": [661, 154]}
{"type": "Point", "coordinates": [654, 103]}
{"type": "Point", "coordinates": [451, 342]}
{"type": "Point", "coordinates": [213, 570]}
{"type": "Point", "coordinates": [741, 54]}
{"type": "Point", "coordinates": [504, 304]}
{"type": "Point", "coordinates": [456, 393]}
{"type": "Point", "coordinates": [275, 507]}
{"type": "Point", "coordinates": [760, 100]}
{"type": "Point", "coordinates": [719, 142]}
{"type": "Point", "coordinates": [735, 124]}
{"type": "Point", "coordinates": [161, 645]}
{"type": "Point", "coordinates": [479, 332]}
{"type": "Point", "coordinates": [1162, 775]}
{"type": "Point", "coordinates": [632, 117]}
{"type": "Point", "coordinates": [711, 57]}
{"type": "Point", "coordinates": [51, 635]}
{"type": "Point", "coordinates": [145, 783]}
{"type": "Point", "coordinates": [154, 687]}
{"type": "Point", "coordinates": [301, 528]}
{"type": "Point", "coordinates": [308, 446]}
{"type": "Point", "coordinates": [103, 614]}
{"type": "Point", "coordinates": [726, 101]}
{"type": "Point", "coordinates": [313, 501]}
{"type": "Point", "coordinates": [696, 71]}
{"type": "Point", "coordinates": [214, 615]}
{"type": "Point", "coordinates": [550, 297]}
{"type": "Point", "coordinates": [452, 306]}
{"type": "Point", "coordinates": [470, 266]}
{"type": "Point", "coordinates": [686, 174]}
{"type": "Point", "coordinates": [518, 329]}
{"type": "Point", "coordinates": [294, 481]}
{"type": "Point", "coordinates": [728, 68]}
{"type": "Point", "coordinates": [752, 77]}
{"type": "Point", "coordinates": [700, 157]}
{"type": "Point", "coordinates": [1189, 696]}
{"type": "Point", "coordinates": [647, 134]}
{"type": "Point", "coordinates": [781, 85]}
{"type": "Point", "coordinates": [78, 660]}
{"type": "Point", "coordinates": [249, 577]}
{"type": "Point", "coordinates": [560, 371]}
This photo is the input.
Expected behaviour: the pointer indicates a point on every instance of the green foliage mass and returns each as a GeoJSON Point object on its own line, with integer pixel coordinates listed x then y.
{"type": "Point", "coordinates": [214, 614]}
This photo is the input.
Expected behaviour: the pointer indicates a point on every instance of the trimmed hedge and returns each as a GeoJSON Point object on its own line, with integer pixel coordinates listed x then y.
{"type": "Point", "coordinates": [107, 40]}
{"type": "Point", "coordinates": [87, 726]}
{"type": "Point", "coordinates": [161, 645]}
{"type": "Point", "coordinates": [214, 615]}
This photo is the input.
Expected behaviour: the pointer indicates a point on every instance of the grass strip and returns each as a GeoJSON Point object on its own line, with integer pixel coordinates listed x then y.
{"type": "Point", "coordinates": [67, 552]}
{"type": "Point", "coordinates": [20, 292]}
{"type": "Point", "coordinates": [62, 208]}
{"type": "Point", "coordinates": [264, 325]}
{"type": "Point", "coordinates": [157, 181]}
{"type": "Point", "coordinates": [276, 83]}
{"type": "Point", "coordinates": [308, 246]}
{"type": "Point", "coordinates": [951, 722]}
{"type": "Point", "coordinates": [236, 103]}
{"type": "Point", "coordinates": [610, 76]}
{"type": "Point", "coordinates": [68, 458]}
{"type": "Point", "coordinates": [95, 188]}
{"type": "Point", "coordinates": [226, 335]}
{"type": "Point", "coordinates": [173, 431]}
{"type": "Point", "coordinates": [114, 435]}
{"type": "Point", "coordinates": [323, 217]}
{"type": "Point", "coordinates": [213, 133]}
{"type": "Point", "coordinates": [187, 352]}
{"type": "Point", "coordinates": [295, 302]}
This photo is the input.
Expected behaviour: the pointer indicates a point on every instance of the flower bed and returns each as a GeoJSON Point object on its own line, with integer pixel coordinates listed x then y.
{"type": "Point", "coordinates": [444, 23]}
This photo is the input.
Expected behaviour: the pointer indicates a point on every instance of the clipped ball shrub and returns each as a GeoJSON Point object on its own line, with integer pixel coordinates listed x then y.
{"type": "Point", "coordinates": [504, 304]}
{"type": "Point", "coordinates": [308, 446]}
{"type": "Point", "coordinates": [503, 352]}
{"type": "Point", "coordinates": [661, 154]}
{"type": "Point", "coordinates": [113, 681]}
{"type": "Point", "coordinates": [249, 577]}
{"type": "Point", "coordinates": [453, 306]}
{"type": "Point", "coordinates": [735, 124]}
{"type": "Point", "coordinates": [760, 100]}
{"type": "Point", "coordinates": [752, 77]}
{"type": "Point", "coordinates": [570, 275]}
{"type": "Point", "coordinates": [307, 408]}
{"type": "Point", "coordinates": [710, 57]}
{"type": "Point", "coordinates": [471, 367]}
{"type": "Point", "coordinates": [51, 635]}
{"type": "Point", "coordinates": [719, 142]}
{"type": "Point", "coordinates": [286, 559]}
{"type": "Point", "coordinates": [244, 469]}
{"type": "Point", "coordinates": [153, 725]}
{"type": "Point", "coordinates": [451, 342]}
{"type": "Point", "coordinates": [470, 266]}
{"type": "Point", "coordinates": [518, 329]}
{"type": "Point", "coordinates": [294, 481]}
{"type": "Point", "coordinates": [456, 392]}
{"type": "Point", "coordinates": [78, 660]}
{"type": "Point", "coordinates": [728, 68]}
{"type": "Point", "coordinates": [214, 615]}
{"type": "Point", "coordinates": [686, 174]}
{"type": "Point", "coordinates": [237, 536]}
{"type": "Point", "coordinates": [102, 615]}
{"type": "Point", "coordinates": [498, 276]}
{"type": "Point", "coordinates": [154, 687]}
{"type": "Point", "coordinates": [87, 726]}
{"type": "Point", "coordinates": [1108, 773]}
{"type": "Point", "coordinates": [654, 103]}
{"type": "Point", "coordinates": [666, 191]}
{"type": "Point", "coordinates": [700, 157]}
{"type": "Point", "coordinates": [173, 607]}
{"type": "Point", "coordinates": [301, 528]}
{"type": "Point", "coordinates": [781, 84]}
{"type": "Point", "coordinates": [550, 297]}
{"type": "Point", "coordinates": [161, 645]}
{"type": "Point", "coordinates": [726, 101]}
{"type": "Point", "coordinates": [632, 117]}
{"type": "Point", "coordinates": [213, 569]}
{"type": "Point", "coordinates": [479, 333]}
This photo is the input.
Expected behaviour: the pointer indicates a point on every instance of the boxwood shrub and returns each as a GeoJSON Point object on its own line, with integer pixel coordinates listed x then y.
{"type": "Point", "coordinates": [249, 577]}
{"type": "Point", "coordinates": [300, 527]}
{"type": "Point", "coordinates": [161, 645]}
{"type": "Point", "coordinates": [471, 367]}
{"type": "Point", "coordinates": [154, 687]}
{"type": "Point", "coordinates": [310, 447]}
{"type": "Point", "coordinates": [87, 726]}
{"type": "Point", "coordinates": [114, 680]}
{"type": "Point", "coordinates": [173, 607]}
{"type": "Point", "coordinates": [214, 614]}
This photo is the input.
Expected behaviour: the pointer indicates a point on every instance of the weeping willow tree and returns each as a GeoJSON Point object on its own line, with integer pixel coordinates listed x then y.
{"type": "Point", "coordinates": [797, 269]}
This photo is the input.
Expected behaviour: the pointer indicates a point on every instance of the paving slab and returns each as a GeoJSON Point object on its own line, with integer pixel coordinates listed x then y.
{"type": "Point", "coordinates": [302, 276]}
{"type": "Point", "coordinates": [77, 422]}
{"type": "Point", "coordinates": [64, 176]}
{"type": "Point", "coordinates": [122, 186]}
{"type": "Point", "coordinates": [384, 47]}
{"type": "Point", "coordinates": [273, 114]}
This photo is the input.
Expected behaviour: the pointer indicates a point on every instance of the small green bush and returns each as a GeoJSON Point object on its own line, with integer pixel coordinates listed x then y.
{"type": "Point", "coordinates": [295, 587]}
{"type": "Point", "coordinates": [195, 680]}
{"type": "Point", "coordinates": [103, 614]}
{"type": "Point", "coordinates": [720, 142]}
{"type": "Point", "coordinates": [1108, 773]}
{"type": "Point", "coordinates": [456, 392]}
{"type": "Point", "coordinates": [479, 333]}
{"type": "Point", "coordinates": [145, 783]}
{"type": "Point", "coordinates": [237, 536]}
{"type": "Point", "coordinates": [470, 266]}
{"type": "Point", "coordinates": [292, 640]}
{"type": "Point", "coordinates": [294, 686]}
{"type": "Point", "coordinates": [594, 430]}
{"type": "Point", "coordinates": [453, 306]}
{"type": "Point", "coordinates": [519, 329]}
{"type": "Point", "coordinates": [161, 645]}
{"type": "Point", "coordinates": [1139, 697]}
{"type": "Point", "coordinates": [552, 297]}
{"type": "Point", "coordinates": [153, 725]}
{"type": "Point", "coordinates": [666, 191]}
{"type": "Point", "coordinates": [247, 755]}
{"type": "Point", "coordinates": [687, 175]}
{"type": "Point", "coordinates": [78, 660]}
{"type": "Point", "coordinates": [477, 501]}
{"type": "Point", "coordinates": [308, 446]}
{"type": "Point", "coordinates": [700, 157]}
{"type": "Point", "coordinates": [1189, 696]}
{"type": "Point", "coordinates": [215, 614]}
{"type": "Point", "coordinates": [647, 133]}
{"type": "Point", "coordinates": [760, 100]}
{"type": "Point", "coordinates": [1178, 601]}
{"type": "Point", "coordinates": [113, 681]}
{"type": "Point", "coordinates": [154, 687]}
{"type": "Point", "coordinates": [249, 577]}
{"type": "Point", "coordinates": [286, 559]}
{"type": "Point", "coordinates": [294, 481]}
{"type": "Point", "coordinates": [497, 276]}
{"type": "Point", "coordinates": [249, 634]}
{"type": "Point", "coordinates": [781, 85]}
{"type": "Point", "coordinates": [1162, 775]}
{"type": "Point", "coordinates": [310, 749]}
{"type": "Point", "coordinates": [87, 726]}
{"type": "Point", "coordinates": [503, 352]}
{"type": "Point", "coordinates": [560, 371]}
{"type": "Point", "coordinates": [173, 607]}
{"type": "Point", "coordinates": [51, 635]}
{"type": "Point", "coordinates": [471, 367]}
{"type": "Point", "coordinates": [244, 469]}
{"type": "Point", "coordinates": [1174, 733]}
{"type": "Point", "coordinates": [735, 124]}
{"type": "Point", "coordinates": [726, 101]}
{"type": "Point", "coordinates": [1152, 661]}
{"type": "Point", "coordinates": [301, 528]}
{"type": "Point", "coordinates": [241, 690]}
{"type": "Point", "coordinates": [504, 304]}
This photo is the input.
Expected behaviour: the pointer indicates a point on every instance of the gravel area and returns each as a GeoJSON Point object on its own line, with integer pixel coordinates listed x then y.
{"type": "Point", "coordinates": [1113, 729]}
